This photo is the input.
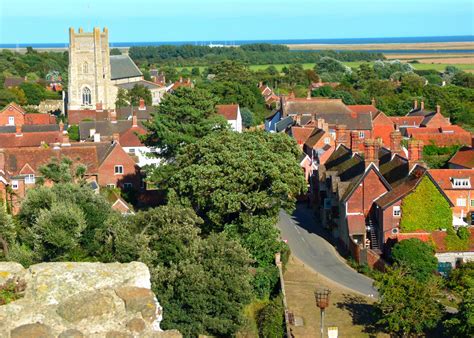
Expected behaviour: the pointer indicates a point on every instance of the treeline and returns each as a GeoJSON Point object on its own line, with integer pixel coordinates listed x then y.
{"type": "Point", "coordinates": [188, 55]}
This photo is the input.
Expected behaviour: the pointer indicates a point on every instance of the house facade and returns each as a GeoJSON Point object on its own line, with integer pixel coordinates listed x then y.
{"type": "Point", "coordinates": [231, 112]}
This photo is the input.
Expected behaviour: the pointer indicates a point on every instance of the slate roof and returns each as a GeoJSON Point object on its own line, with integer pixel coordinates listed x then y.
{"type": "Point", "coordinates": [125, 113]}
{"type": "Point", "coordinates": [393, 168]}
{"type": "Point", "coordinates": [7, 129]}
{"type": "Point", "coordinates": [144, 83]}
{"type": "Point", "coordinates": [283, 124]}
{"type": "Point", "coordinates": [39, 127]}
{"type": "Point", "coordinates": [315, 136]}
{"type": "Point", "coordinates": [464, 158]}
{"type": "Point", "coordinates": [122, 66]}
{"type": "Point", "coordinates": [104, 128]}
{"type": "Point", "coordinates": [344, 164]}
{"type": "Point", "coordinates": [353, 121]}
{"type": "Point", "coordinates": [420, 112]}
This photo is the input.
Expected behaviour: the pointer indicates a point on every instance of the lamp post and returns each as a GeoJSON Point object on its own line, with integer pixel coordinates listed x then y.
{"type": "Point", "coordinates": [322, 301]}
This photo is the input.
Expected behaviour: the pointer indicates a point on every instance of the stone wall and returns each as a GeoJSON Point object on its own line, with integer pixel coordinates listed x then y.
{"type": "Point", "coordinates": [82, 300]}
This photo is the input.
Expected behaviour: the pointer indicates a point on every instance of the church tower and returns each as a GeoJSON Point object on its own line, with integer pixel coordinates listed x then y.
{"type": "Point", "coordinates": [89, 85]}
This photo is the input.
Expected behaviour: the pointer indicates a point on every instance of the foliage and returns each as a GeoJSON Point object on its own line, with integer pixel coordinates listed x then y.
{"type": "Point", "coordinates": [463, 79]}
{"type": "Point", "coordinates": [61, 171]}
{"type": "Point", "coordinates": [35, 93]}
{"type": "Point", "coordinates": [417, 257]}
{"type": "Point", "coordinates": [457, 241]}
{"type": "Point", "coordinates": [139, 92]}
{"type": "Point", "coordinates": [425, 209]}
{"type": "Point", "coordinates": [115, 51]}
{"type": "Point", "coordinates": [73, 132]}
{"type": "Point", "coordinates": [461, 278]}
{"type": "Point", "coordinates": [437, 157]}
{"type": "Point", "coordinates": [247, 117]}
{"type": "Point", "coordinates": [271, 319]}
{"type": "Point", "coordinates": [11, 290]}
{"type": "Point", "coordinates": [408, 306]}
{"type": "Point", "coordinates": [182, 118]}
{"type": "Point", "coordinates": [461, 324]}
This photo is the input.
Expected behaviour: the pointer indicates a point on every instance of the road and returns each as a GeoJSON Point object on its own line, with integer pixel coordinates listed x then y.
{"type": "Point", "coordinates": [306, 240]}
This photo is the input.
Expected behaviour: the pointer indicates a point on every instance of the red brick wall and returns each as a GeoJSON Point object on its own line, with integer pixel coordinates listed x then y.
{"type": "Point", "coordinates": [76, 116]}
{"type": "Point", "coordinates": [130, 171]}
{"type": "Point", "coordinates": [437, 121]}
{"type": "Point", "coordinates": [363, 197]}
{"type": "Point", "coordinates": [389, 221]}
{"type": "Point", "coordinates": [10, 111]}
{"type": "Point", "coordinates": [375, 261]}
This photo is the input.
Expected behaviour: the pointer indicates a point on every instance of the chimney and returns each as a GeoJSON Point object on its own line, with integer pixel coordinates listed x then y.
{"type": "Point", "coordinates": [415, 153]}
{"type": "Point", "coordinates": [325, 127]}
{"type": "Point", "coordinates": [373, 101]}
{"type": "Point", "coordinates": [438, 109]}
{"type": "Point", "coordinates": [61, 126]}
{"type": "Point", "coordinates": [320, 123]}
{"type": "Point", "coordinates": [18, 130]}
{"type": "Point", "coordinates": [96, 137]}
{"type": "Point", "coordinates": [395, 142]}
{"type": "Point", "coordinates": [422, 105]}
{"type": "Point", "coordinates": [113, 116]}
{"type": "Point", "coordinates": [371, 152]}
{"type": "Point", "coordinates": [91, 132]}
{"type": "Point", "coordinates": [116, 137]}
{"type": "Point", "coordinates": [341, 135]}
{"type": "Point", "coordinates": [355, 141]}
{"type": "Point", "coordinates": [298, 119]}
{"type": "Point", "coordinates": [142, 104]}
{"type": "Point", "coordinates": [415, 105]}
{"type": "Point", "coordinates": [66, 142]}
{"type": "Point", "coordinates": [308, 94]}
{"type": "Point", "coordinates": [2, 159]}
{"type": "Point", "coordinates": [134, 120]}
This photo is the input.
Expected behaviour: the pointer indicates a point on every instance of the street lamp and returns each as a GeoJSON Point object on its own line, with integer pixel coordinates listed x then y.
{"type": "Point", "coordinates": [322, 301]}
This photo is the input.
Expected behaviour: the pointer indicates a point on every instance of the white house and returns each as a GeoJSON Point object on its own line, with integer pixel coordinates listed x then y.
{"type": "Point", "coordinates": [231, 112]}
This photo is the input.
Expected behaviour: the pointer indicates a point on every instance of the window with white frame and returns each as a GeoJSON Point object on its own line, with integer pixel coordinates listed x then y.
{"type": "Point", "coordinates": [327, 140]}
{"type": "Point", "coordinates": [461, 183]}
{"type": "Point", "coordinates": [11, 120]}
{"type": "Point", "coordinates": [128, 185]}
{"type": "Point", "coordinates": [131, 150]}
{"type": "Point", "coordinates": [29, 179]}
{"type": "Point", "coordinates": [111, 186]}
{"type": "Point", "coordinates": [461, 202]}
{"type": "Point", "coordinates": [15, 185]}
{"type": "Point", "coordinates": [361, 134]}
{"type": "Point", "coordinates": [118, 169]}
{"type": "Point", "coordinates": [397, 212]}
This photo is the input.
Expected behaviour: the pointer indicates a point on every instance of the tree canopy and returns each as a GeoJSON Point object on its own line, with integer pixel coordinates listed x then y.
{"type": "Point", "coordinates": [417, 257]}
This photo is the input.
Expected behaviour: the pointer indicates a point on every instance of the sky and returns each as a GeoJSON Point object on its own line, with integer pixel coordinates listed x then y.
{"type": "Point", "coordinates": [47, 21]}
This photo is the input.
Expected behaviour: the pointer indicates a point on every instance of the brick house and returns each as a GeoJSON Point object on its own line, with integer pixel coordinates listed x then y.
{"type": "Point", "coordinates": [463, 159]}
{"type": "Point", "coordinates": [458, 185]}
{"type": "Point", "coordinates": [231, 112]}
{"type": "Point", "coordinates": [15, 115]}
{"type": "Point", "coordinates": [382, 127]}
{"type": "Point", "coordinates": [440, 136]}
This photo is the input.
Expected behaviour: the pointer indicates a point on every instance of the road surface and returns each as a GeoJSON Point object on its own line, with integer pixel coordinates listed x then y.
{"type": "Point", "coordinates": [306, 240]}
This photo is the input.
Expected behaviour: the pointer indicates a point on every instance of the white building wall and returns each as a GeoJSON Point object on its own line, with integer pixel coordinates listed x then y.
{"type": "Point", "coordinates": [452, 257]}
{"type": "Point", "coordinates": [142, 154]}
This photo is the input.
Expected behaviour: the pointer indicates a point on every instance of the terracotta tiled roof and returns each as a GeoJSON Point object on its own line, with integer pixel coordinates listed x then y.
{"type": "Point", "coordinates": [363, 108]}
{"type": "Point", "coordinates": [444, 136]}
{"type": "Point", "coordinates": [40, 119]}
{"type": "Point", "coordinates": [34, 139]}
{"type": "Point", "coordinates": [407, 121]}
{"type": "Point", "coordinates": [439, 239]}
{"type": "Point", "coordinates": [464, 158]}
{"type": "Point", "coordinates": [314, 137]}
{"type": "Point", "coordinates": [229, 111]}
{"type": "Point", "coordinates": [444, 177]}
{"type": "Point", "coordinates": [301, 134]}
{"type": "Point", "coordinates": [129, 138]}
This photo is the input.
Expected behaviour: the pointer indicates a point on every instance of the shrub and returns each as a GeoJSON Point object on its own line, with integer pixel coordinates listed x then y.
{"type": "Point", "coordinates": [271, 319]}
{"type": "Point", "coordinates": [418, 257]}
{"type": "Point", "coordinates": [425, 209]}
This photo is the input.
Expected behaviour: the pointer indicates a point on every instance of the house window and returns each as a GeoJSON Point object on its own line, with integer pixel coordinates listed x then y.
{"type": "Point", "coordinates": [29, 179]}
{"type": "Point", "coordinates": [131, 150]}
{"type": "Point", "coordinates": [14, 185]}
{"type": "Point", "coordinates": [361, 134]}
{"type": "Point", "coordinates": [461, 202]}
{"type": "Point", "coordinates": [461, 183]}
{"type": "Point", "coordinates": [111, 186]}
{"type": "Point", "coordinates": [11, 120]}
{"type": "Point", "coordinates": [396, 211]}
{"type": "Point", "coordinates": [327, 140]}
{"type": "Point", "coordinates": [86, 96]}
{"type": "Point", "coordinates": [128, 185]}
{"type": "Point", "coordinates": [118, 169]}
{"type": "Point", "coordinates": [472, 203]}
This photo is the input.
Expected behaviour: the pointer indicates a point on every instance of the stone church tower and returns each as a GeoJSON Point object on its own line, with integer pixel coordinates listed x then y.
{"type": "Point", "coordinates": [90, 85]}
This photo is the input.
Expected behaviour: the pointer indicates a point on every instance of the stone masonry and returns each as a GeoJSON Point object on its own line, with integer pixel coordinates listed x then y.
{"type": "Point", "coordinates": [82, 300]}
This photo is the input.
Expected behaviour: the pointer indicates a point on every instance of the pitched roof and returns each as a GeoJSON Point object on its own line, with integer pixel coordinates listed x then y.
{"type": "Point", "coordinates": [104, 128]}
{"type": "Point", "coordinates": [315, 136]}
{"type": "Point", "coordinates": [314, 105]}
{"type": "Point", "coordinates": [125, 113]}
{"type": "Point", "coordinates": [129, 138]}
{"type": "Point", "coordinates": [33, 139]}
{"type": "Point", "coordinates": [301, 134]}
{"type": "Point", "coordinates": [27, 128]}
{"type": "Point", "coordinates": [228, 111]}
{"type": "Point", "coordinates": [443, 136]}
{"type": "Point", "coordinates": [394, 168]}
{"type": "Point", "coordinates": [439, 240]}
{"type": "Point", "coordinates": [444, 177]}
{"type": "Point", "coordinates": [363, 108]}
{"type": "Point", "coordinates": [122, 66]}
{"type": "Point", "coordinates": [36, 118]}
{"type": "Point", "coordinates": [419, 112]}
{"type": "Point", "coordinates": [464, 158]}
{"type": "Point", "coordinates": [345, 164]}
{"type": "Point", "coordinates": [407, 121]}
{"type": "Point", "coordinates": [283, 124]}
{"type": "Point", "coordinates": [144, 83]}
{"type": "Point", "coordinates": [357, 180]}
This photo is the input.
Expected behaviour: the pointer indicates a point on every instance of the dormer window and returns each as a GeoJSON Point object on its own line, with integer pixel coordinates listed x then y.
{"type": "Point", "coordinates": [461, 183]}
{"type": "Point", "coordinates": [30, 179]}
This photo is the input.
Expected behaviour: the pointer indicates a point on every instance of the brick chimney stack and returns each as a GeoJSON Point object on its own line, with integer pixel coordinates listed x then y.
{"type": "Point", "coordinates": [415, 105]}
{"type": "Point", "coordinates": [61, 126]}
{"type": "Point", "coordinates": [355, 141]}
{"type": "Point", "coordinates": [371, 152]}
{"type": "Point", "coordinates": [113, 116]}
{"type": "Point", "coordinates": [134, 120]}
{"type": "Point", "coordinates": [66, 142]}
{"type": "Point", "coordinates": [341, 135]}
{"type": "Point", "coordinates": [298, 119]}
{"type": "Point", "coordinates": [18, 130]}
{"type": "Point", "coordinates": [438, 109]}
{"type": "Point", "coordinates": [422, 105]}
{"type": "Point", "coordinates": [308, 94]}
{"type": "Point", "coordinates": [395, 142]}
{"type": "Point", "coordinates": [320, 123]}
{"type": "Point", "coordinates": [373, 101]}
{"type": "Point", "coordinates": [116, 137]}
{"type": "Point", "coordinates": [142, 104]}
{"type": "Point", "coordinates": [415, 153]}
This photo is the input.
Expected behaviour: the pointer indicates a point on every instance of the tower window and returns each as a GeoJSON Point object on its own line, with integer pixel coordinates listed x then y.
{"type": "Point", "coordinates": [86, 96]}
{"type": "Point", "coordinates": [85, 68]}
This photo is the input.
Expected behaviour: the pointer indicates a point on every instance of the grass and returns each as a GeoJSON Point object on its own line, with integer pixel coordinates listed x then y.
{"type": "Point", "coordinates": [350, 312]}
{"type": "Point", "coordinates": [418, 66]}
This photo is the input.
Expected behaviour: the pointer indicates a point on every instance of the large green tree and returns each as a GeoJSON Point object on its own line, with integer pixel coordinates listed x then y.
{"type": "Point", "coordinates": [418, 257]}
{"type": "Point", "coordinates": [407, 306]}
{"type": "Point", "coordinates": [182, 118]}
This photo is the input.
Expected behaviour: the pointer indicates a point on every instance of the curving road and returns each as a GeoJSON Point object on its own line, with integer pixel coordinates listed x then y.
{"type": "Point", "coordinates": [306, 240]}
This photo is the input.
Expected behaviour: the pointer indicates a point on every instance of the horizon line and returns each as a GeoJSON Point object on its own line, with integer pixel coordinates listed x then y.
{"type": "Point", "coordinates": [260, 40]}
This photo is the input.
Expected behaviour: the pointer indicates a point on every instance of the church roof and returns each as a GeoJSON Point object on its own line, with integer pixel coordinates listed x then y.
{"type": "Point", "coordinates": [121, 66]}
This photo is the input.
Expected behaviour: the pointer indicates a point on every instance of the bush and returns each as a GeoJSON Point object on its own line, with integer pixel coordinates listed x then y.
{"type": "Point", "coordinates": [271, 319]}
{"type": "Point", "coordinates": [418, 257]}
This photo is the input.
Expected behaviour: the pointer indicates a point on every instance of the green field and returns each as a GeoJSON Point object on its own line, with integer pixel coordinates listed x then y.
{"type": "Point", "coordinates": [418, 66]}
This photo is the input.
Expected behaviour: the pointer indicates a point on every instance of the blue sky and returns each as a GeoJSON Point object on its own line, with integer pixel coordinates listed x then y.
{"type": "Point", "coordinates": [34, 21]}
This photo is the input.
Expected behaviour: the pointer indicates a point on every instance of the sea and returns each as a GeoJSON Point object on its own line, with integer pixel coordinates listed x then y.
{"type": "Point", "coordinates": [358, 41]}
